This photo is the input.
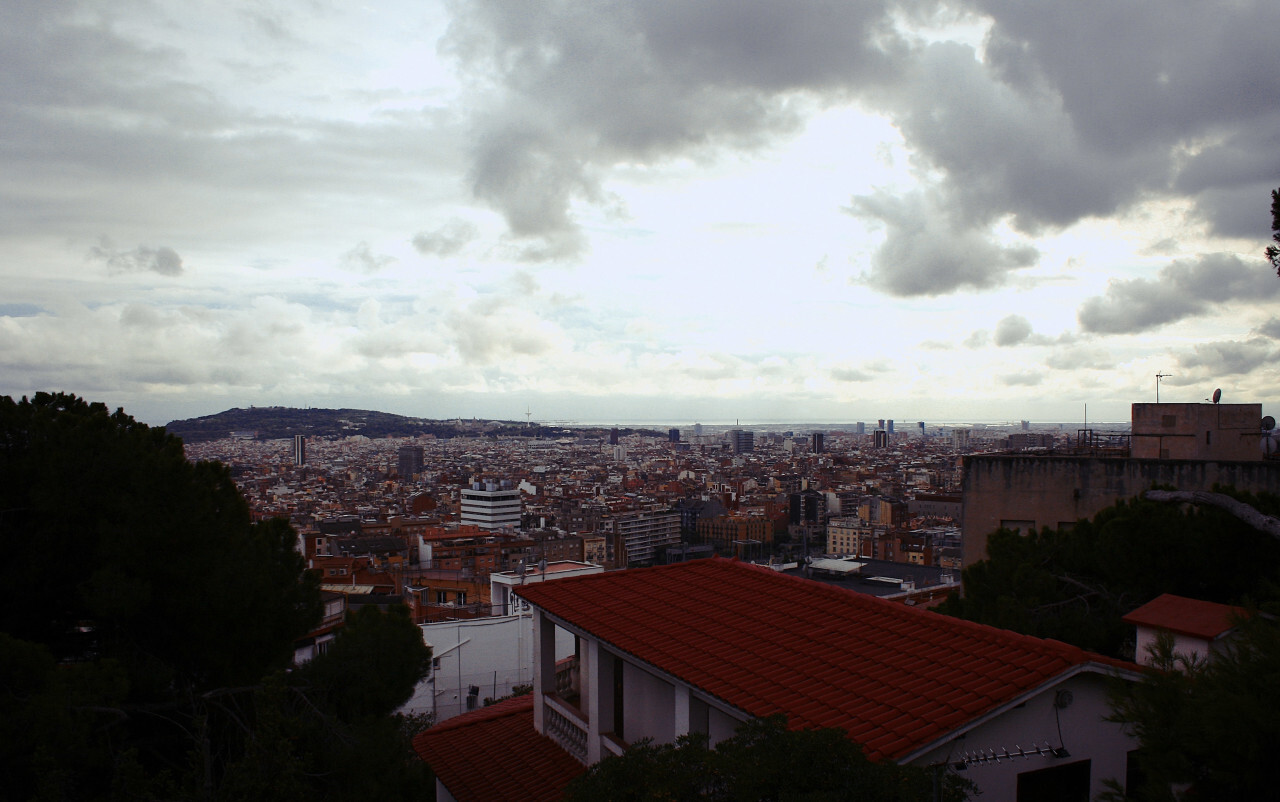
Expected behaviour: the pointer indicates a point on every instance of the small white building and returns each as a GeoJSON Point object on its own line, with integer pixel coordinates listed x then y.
{"type": "Point", "coordinates": [1199, 628]}
{"type": "Point", "coordinates": [486, 658]}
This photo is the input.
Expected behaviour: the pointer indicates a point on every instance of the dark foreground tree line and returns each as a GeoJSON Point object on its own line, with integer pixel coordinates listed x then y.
{"type": "Point", "coordinates": [147, 630]}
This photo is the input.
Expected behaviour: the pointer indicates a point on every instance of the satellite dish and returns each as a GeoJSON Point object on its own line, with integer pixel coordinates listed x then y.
{"type": "Point", "coordinates": [1217, 395]}
{"type": "Point", "coordinates": [1268, 423]}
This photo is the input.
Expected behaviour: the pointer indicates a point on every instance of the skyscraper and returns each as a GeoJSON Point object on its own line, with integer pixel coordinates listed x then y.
{"type": "Point", "coordinates": [890, 427]}
{"type": "Point", "coordinates": [299, 449]}
{"type": "Point", "coordinates": [818, 444]}
{"type": "Point", "coordinates": [741, 441]}
{"type": "Point", "coordinates": [673, 435]}
{"type": "Point", "coordinates": [410, 461]}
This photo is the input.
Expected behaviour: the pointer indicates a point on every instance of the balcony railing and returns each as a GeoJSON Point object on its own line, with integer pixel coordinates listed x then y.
{"type": "Point", "coordinates": [564, 726]}
{"type": "Point", "coordinates": [567, 677]}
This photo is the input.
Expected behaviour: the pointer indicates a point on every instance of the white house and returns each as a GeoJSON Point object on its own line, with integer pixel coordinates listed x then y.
{"type": "Point", "coordinates": [704, 645]}
{"type": "Point", "coordinates": [475, 659]}
{"type": "Point", "coordinates": [1199, 628]}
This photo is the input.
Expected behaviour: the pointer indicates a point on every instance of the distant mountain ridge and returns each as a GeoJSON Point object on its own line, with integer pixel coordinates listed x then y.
{"type": "Point", "coordinates": [271, 423]}
{"type": "Point", "coordinates": [274, 423]}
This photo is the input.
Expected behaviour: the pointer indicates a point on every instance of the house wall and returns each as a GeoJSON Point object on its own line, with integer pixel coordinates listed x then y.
{"type": "Point", "coordinates": [648, 706]}
{"type": "Point", "coordinates": [1229, 432]}
{"type": "Point", "coordinates": [492, 647]}
{"type": "Point", "coordinates": [1029, 492]}
{"type": "Point", "coordinates": [1084, 734]}
{"type": "Point", "coordinates": [1185, 645]}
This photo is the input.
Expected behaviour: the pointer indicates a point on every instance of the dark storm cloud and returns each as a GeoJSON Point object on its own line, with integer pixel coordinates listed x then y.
{"type": "Point", "coordinates": [162, 260]}
{"type": "Point", "coordinates": [1185, 288]}
{"type": "Point", "coordinates": [1175, 90]}
{"type": "Point", "coordinates": [926, 252]}
{"type": "Point", "coordinates": [1270, 329]}
{"type": "Point", "coordinates": [1073, 111]}
{"type": "Point", "coordinates": [582, 88]}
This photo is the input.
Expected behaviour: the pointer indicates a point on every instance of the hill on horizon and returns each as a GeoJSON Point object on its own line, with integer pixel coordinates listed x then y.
{"type": "Point", "coordinates": [274, 423]}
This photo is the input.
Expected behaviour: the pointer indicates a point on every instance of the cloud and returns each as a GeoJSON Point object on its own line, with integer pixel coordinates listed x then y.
{"type": "Point", "coordinates": [1023, 379]}
{"type": "Point", "coordinates": [1270, 329]}
{"type": "Point", "coordinates": [162, 260]}
{"type": "Point", "coordinates": [1012, 330]}
{"type": "Point", "coordinates": [1185, 96]}
{"type": "Point", "coordinates": [928, 252]}
{"type": "Point", "coordinates": [1228, 358]}
{"type": "Point", "coordinates": [978, 339]}
{"type": "Point", "coordinates": [1080, 358]}
{"type": "Point", "coordinates": [850, 375]}
{"type": "Point", "coordinates": [447, 240]}
{"type": "Point", "coordinates": [362, 259]}
{"type": "Point", "coordinates": [566, 91]}
{"type": "Point", "coordinates": [1182, 289]}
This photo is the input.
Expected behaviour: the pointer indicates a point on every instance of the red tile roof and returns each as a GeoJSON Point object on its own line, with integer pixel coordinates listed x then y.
{"type": "Point", "coordinates": [494, 754]}
{"type": "Point", "coordinates": [895, 677]}
{"type": "Point", "coordinates": [1199, 619]}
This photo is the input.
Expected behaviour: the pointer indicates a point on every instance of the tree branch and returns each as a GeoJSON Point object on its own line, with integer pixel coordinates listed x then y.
{"type": "Point", "coordinates": [1261, 522]}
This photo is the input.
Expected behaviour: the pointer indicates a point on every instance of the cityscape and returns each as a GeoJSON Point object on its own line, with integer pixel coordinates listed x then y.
{"type": "Point", "coordinates": [639, 400]}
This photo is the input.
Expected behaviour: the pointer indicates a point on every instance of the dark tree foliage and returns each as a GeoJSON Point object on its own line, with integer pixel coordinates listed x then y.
{"type": "Point", "coordinates": [373, 666]}
{"type": "Point", "coordinates": [764, 760]}
{"type": "Point", "coordinates": [1075, 585]}
{"type": "Point", "coordinates": [1273, 252]}
{"type": "Point", "coordinates": [1207, 727]}
{"type": "Point", "coordinates": [141, 610]}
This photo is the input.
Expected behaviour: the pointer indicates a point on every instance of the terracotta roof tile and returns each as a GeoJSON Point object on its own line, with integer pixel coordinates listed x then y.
{"type": "Point", "coordinates": [494, 754]}
{"type": "Point", "coordinates": [896, 677]}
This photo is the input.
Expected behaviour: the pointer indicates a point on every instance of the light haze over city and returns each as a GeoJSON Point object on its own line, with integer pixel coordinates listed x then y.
{"type": "Point", "coordinates": [645, 211]}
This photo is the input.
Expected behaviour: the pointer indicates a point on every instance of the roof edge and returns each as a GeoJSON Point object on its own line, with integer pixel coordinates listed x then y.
{"type": "Point", "coordinates": [1131, 674]}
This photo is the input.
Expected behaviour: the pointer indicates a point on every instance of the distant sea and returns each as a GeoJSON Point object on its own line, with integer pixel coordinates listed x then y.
{"type": "Point", "coordinates": [808, 427]}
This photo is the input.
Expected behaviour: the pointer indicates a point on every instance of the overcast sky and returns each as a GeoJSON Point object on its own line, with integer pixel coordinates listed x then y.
{"type": "Point", "coordinates": [649, 210]}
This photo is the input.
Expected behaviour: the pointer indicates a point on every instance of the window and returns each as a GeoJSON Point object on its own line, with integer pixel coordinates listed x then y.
{"type": "Point", "coordinates": [462, 597]}
{"type": "Point", "coordinates": [1069, 783]}
{"type": "Point", "coordinates": [442, 597]}
{"type": "Point", "coordinates": [1207, 437]}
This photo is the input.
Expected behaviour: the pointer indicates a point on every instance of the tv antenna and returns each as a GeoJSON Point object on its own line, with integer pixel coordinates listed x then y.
{"type": "Point", "coordinates": [1160, 376]}
{"type": "Point", "coordinates": [528, 414]}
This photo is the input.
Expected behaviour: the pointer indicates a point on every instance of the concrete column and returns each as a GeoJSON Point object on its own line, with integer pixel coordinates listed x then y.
{"type": "Point", "coordinates": [681, 717]}
{"type": "Point", "coordinates": [594, 687]}
{"type": "Point", "coordinates": [544, 664]}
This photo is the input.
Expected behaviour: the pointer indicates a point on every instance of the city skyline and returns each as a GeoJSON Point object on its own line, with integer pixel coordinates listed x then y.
{"type": "Point", "coordinates": [640, 211]}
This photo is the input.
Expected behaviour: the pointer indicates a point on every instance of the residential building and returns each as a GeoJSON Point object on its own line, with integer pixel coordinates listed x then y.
{"type": "Point", "coordinates": [1199, 628]}
{"type": "Point", "coordinates": [639, 537]}
{"type": "Point", "coordinates": [491, 505]}
{"type": "Point", "coordinates": [410, 461]}
{"type": "Point", "coordinates": [1015, 714]}
{"type": "Point", "coordinates": [1184, 446]}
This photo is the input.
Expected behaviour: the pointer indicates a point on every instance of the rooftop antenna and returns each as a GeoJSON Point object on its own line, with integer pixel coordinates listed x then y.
{"type": "Point", "coordinates": [1160, 376]}
{"type": "Point", "coordinates": [528, 414]}
{"type": "Point", "coordinates": [1217, 396]}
